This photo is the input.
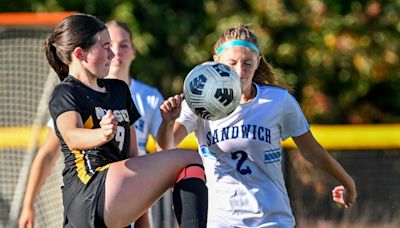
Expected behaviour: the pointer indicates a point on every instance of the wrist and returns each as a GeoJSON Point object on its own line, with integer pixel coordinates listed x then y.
{"type": "Point", "coordinates": [27, 204]}
{"type": "Point", "coordinates": [103, 137]}
{"type": "Point", "coordinates": [351, 189]}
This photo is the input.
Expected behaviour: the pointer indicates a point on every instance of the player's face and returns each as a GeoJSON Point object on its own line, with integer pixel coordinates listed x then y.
{"type": "Point", "coordinates": [98, 57]}
{"type": "Point", "coordinates": [243, 60]}
{"type": "Point", "coordinates": [122, 47]}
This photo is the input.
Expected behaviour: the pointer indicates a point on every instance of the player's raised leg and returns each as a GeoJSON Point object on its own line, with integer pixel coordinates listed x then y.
{"type": "Point", "coordinates": [149, 177]}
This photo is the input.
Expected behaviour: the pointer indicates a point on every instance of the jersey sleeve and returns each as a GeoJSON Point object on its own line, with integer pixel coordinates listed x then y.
{"type": "Point", "coordinates": [293, 122]}
{"type": "Point", "coordinates": [187, 118]}
{"type": "Point", "coordinates": [156, 117]}
{"type": "Point", "coordinates": [63, 100]}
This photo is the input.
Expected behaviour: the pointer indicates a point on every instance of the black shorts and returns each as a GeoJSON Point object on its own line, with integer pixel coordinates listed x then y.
{"type": "Point", "coordinates": [84, 203]}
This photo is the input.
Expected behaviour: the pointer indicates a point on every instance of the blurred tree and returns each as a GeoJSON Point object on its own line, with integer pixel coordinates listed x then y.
{"type": "Point", "coordinates": [341, 56]}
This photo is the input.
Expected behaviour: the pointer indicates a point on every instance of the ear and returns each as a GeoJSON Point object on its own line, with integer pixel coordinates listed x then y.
{"type": "Point", "coordinates": [133, 52]}
{"type": "Point", "coordinates": [78, 53]}
{"type": "Point", "coordinates": [215, 58]}
{"type": "Point", "coordinates": [259, 60]}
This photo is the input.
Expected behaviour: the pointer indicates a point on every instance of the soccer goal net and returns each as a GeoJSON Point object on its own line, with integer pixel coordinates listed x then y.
{"type": "Point", "coordinates": [26, 83]}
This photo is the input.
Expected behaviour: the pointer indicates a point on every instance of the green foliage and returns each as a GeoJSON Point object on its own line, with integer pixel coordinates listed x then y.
{"type": "Point", "coordinates": [341, 56]}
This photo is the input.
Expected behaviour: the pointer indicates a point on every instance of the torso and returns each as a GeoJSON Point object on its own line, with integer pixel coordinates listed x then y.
{"type": "Point", "coordinates": [147, 100]}
{"type": "Point", "coordinates": [72, 95]}
{"type": "Point", "coordinates": [242, 155]}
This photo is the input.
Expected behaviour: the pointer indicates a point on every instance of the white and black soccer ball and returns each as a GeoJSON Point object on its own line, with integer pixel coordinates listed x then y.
{"type": "Point", "coordinates": [212, 90]}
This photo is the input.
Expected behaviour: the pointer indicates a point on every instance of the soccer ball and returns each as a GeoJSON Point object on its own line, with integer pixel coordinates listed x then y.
{"type": "Point", "coordinates": [212, 90]}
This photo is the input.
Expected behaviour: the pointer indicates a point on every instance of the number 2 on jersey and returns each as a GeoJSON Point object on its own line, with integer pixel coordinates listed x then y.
{"type": "Point", "coordinates": [242, 156]}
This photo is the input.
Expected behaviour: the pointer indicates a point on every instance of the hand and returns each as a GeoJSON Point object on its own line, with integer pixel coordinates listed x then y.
{"type": "Point", "coordinates": [171, 108]}
{"type": "Point", "coordinates": [27, 218]}
{"type": "Point", "coordinates": [109, 125]}
{"type": "Point", "coordinates": [343, 196]}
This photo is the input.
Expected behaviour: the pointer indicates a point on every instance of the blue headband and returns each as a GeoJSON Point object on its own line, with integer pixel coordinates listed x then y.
{"type": "Point", "coordinates": [238, 43]}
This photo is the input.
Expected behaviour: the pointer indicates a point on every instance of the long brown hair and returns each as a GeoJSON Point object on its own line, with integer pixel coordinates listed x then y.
{"type": "Point", "coordinates": [265, 74]}
{"type": "Point", "coordinates": [122, 25]}
{"type": "Point", "coordinates": [78, 30]}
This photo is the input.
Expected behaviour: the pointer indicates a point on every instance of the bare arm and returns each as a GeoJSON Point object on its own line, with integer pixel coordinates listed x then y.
{"type": "Point", "coordinates": [41, 167]}
{"type": "Point", "coordinates": [170, 132]}
{"type": "Point", "coordinates": [318, 156]}
{"type": "Point", "coordinates": [170, 136]}
{"type": "Point", "coordinates": [76, 137]}
{"type": "Point", "coordinates": [133, 142]}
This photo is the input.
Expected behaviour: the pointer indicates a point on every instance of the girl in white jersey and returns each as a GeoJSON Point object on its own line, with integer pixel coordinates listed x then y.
{"type": "Point", "coordinates": [242, 152]}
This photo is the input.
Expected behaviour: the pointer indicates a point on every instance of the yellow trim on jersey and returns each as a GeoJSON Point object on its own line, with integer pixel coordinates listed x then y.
{"type": "Point", "coordinates": [89, 123]}
{"type": "Point", "coordinates": [81, 168]}
{"type": "Point", "coordinates": [102, 168]}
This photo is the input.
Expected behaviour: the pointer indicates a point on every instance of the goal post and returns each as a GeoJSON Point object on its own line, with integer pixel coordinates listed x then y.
{"type": "Point", "coordinates": [26, 82]}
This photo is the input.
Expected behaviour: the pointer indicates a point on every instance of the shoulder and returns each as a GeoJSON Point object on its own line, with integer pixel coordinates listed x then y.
{"type": "Point", "coordinates": [113, 81]}
{"type": "Point", "coordinates": [276, 94]}
{"type": "Point", "coordinates": [65, 87]}
{"type": "Point", "coordinates": [141, 85]}
{"type": "Point", "coordinates": [114, 84]}
{"type": "Point", "coordinates": [138, 86]}
{"type": "Point", "coordinates": [269, 90]}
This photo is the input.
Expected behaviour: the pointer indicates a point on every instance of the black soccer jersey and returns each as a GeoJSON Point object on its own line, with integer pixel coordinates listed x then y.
{"type": "Point", "coordinates": [72, 95]}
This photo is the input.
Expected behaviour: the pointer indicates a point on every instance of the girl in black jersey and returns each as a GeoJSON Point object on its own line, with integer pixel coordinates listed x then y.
{"type": "Point", "coordinates": [93, 121]}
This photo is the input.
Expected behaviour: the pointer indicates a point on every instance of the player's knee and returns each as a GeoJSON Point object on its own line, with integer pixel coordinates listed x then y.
{"type": "Point", "coordinates": [191, 171]}
{"type": "Point", "coordinates": [190, 197]}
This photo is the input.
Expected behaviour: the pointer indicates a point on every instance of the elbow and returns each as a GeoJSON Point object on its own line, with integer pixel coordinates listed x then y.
{"type": "Point", "coordinates": [313, 155]}
{"type": "Point", "coordinates": [163, 144]}
{"type": "Point", "coordinates": [159, 147]}
{"type": "Point", "coordinates": [71, 145]}
{"type": "Point", "coordinates": [164, 147]}
{"type": "Point", "coordinates": [308, 154]}
{"type": "Point", "coordinates": [71, 142]}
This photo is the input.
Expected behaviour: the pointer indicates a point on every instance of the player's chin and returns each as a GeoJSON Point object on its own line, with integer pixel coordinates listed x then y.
{"type": "Point", "coordinates": [107, 66]}
{"type": "Point", "coordinates": [116, 63]}
{"type": "Point", "coordinates": [104, 72]}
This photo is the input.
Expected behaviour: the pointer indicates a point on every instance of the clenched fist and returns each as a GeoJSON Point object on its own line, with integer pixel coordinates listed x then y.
{"type": "Point", "coordinates": [171, 108]}
{"type": "Point", "coordinates": [109, 124]}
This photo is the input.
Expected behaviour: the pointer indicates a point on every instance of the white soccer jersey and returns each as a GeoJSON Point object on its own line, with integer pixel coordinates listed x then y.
{"type": "Point", "coordinates": [242, 155]}
{"type": "Point", "coordinates": [147, 100]}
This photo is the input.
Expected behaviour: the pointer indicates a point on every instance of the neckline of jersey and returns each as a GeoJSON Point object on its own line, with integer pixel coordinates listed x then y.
{"type": "Point", "coordinates": [254, 98]}
{"type": "Point", "coordinates": [89, 88]}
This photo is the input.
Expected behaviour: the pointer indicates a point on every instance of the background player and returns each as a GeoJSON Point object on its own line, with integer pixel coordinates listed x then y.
{"type": "Point", "coordinates": [147, 98]}
{"type": "Point", "coordinates": [242, 152]}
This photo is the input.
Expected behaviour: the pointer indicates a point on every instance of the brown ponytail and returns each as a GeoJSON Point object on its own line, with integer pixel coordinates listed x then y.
{"type": "Point", "coordinates": [55, 62]}
{"type": "Point", "coordinates": [78, 30]}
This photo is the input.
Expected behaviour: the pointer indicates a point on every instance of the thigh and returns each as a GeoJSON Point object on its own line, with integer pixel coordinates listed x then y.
{"type": "Point", "coordinates": [133, 185]}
